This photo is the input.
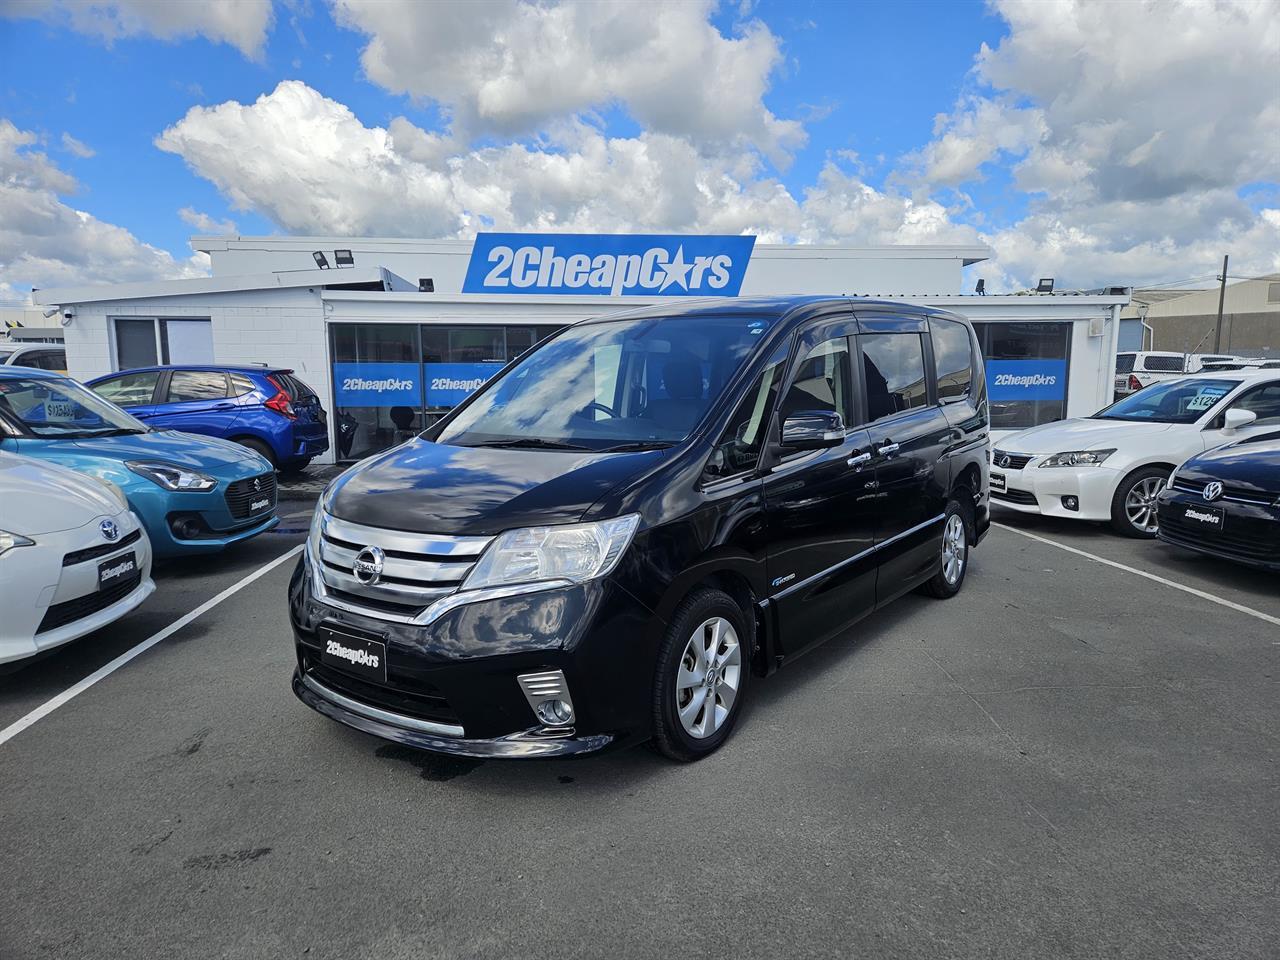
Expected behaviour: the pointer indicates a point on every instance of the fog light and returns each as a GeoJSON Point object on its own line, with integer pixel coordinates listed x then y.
{"type": "Point", "coordinates": [555, 713]}
{"type": "Point", "coordinates": [548, 696]}
{"type": "Point", "coordinates": [1071, 503]}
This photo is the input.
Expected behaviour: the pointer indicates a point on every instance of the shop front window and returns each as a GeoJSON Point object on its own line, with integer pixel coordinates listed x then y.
{"type": "Point", "coordinates": [377, 386]}
{"type": "Point", "coordinates": [391, 381]}
{"type": "Point", "coordinates": [1026, 372]}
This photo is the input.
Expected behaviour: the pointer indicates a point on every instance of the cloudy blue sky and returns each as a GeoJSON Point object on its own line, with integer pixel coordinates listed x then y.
{"type": "Point", "coordinates": [1123, 142]}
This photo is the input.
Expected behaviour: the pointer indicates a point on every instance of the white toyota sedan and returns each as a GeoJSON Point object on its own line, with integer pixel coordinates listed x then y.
{"type": "Point", "coordinates": [1111, 466]}
{"type": "Point", "coordinates": [73, 557]}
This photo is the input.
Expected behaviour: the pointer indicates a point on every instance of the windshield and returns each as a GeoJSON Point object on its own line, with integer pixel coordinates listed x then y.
{"type": "Point", "coordinates": [622, 384]}
{"type": "Point", "coordinates": [63, 408]}
{"type": "Point", "coordinates": [1174, 401]}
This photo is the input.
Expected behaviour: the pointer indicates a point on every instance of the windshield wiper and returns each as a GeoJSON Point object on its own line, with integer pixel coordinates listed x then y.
{"type": "Point", "coordinates": [638, 445]}
{"type": "Point", "coordinates": [530, 443]}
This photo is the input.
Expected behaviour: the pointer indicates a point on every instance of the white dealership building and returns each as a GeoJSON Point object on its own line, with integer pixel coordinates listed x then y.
{"type": "Point", "coordinates": [393, 332]}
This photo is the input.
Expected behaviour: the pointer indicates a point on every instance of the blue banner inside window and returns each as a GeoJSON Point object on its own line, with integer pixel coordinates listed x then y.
{"type": "Point", "coordinates": [448, 384]}
{"type": "Point", "coordinates": [377, 384]}
{"type": "Point", "coordinates": [1012, 380]}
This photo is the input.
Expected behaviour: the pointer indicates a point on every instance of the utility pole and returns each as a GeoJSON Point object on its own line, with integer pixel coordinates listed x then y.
{"type": "Point", "coordinates": [1222, 296]}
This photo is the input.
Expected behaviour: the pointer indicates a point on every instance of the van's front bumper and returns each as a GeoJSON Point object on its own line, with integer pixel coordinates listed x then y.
{"type": "Point", "coordinates": [451, 686]}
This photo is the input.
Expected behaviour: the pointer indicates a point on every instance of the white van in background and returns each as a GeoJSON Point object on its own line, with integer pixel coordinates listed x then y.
{"type": "Point", "coordinates": [1138, 369]}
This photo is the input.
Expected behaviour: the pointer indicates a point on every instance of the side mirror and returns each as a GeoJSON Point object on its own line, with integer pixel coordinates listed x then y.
{"type": "Point", "coordinates": [1234, 419]}
{"type": "Point", "coordinates": [812, 430]}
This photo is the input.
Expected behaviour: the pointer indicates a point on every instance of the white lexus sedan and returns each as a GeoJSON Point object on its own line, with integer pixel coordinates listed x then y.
{"type": "Point", "coordinates": [73, 557]}
{"type": "Point", "coordinates": [1111, 466]}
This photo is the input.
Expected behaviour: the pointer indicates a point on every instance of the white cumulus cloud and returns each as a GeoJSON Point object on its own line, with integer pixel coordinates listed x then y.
{"type": "Point", "coordinates": [206, 224]}
{"type": "Point", "coordinates": [46, 242]}
{"type": "Point", "coordinates": [243, 24]}
{"type": "Point", "coordinates": [511, 66]}
{"type": "Point", "coordinates": [311, 166]}
{"type": "Point", "coordinates": [1131, 128]}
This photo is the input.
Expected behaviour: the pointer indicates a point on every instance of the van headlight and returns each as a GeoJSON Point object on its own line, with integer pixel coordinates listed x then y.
{"type": "Point", "coordinates": [1077, 458]}
{"type": "Point", "coordinates": [570, 553]}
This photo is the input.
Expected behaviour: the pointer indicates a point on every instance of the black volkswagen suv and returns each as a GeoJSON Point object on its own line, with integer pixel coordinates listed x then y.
{"type": "Point", "coordinates": [607, 541]}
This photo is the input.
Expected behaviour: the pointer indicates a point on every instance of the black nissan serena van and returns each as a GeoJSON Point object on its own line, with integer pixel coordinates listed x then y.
{"type": "Point", "coordinates": [618, 532]}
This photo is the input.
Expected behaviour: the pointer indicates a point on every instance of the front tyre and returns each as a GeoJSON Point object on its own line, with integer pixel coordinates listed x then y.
{"type": "Point", "coordinates": [1133, 508]}
{"type": "Point", "coordinates": [704, 665]}
{"type": "Point", "coordinates": [956, 526]}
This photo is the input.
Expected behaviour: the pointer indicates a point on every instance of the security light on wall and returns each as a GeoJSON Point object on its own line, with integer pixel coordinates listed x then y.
{"type": "Point", "coordinates": [321, 260]}
{"type": "Point", "coordinates": [343, 258]}
{"type": "Point", "coordinates": [1045, 285]}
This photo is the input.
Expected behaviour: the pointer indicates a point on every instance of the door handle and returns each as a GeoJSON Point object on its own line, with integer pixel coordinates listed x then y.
{"type": "Point", "coordinates": [887, 449]}
{"type": "Point", "coordinates": [224, 406]}
{"type": "Point", "coordinates": [859, 460]}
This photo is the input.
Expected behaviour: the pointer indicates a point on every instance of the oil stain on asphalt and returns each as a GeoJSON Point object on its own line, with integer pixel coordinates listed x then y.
{"type": "Point", "coordinates": [216, 861]}
{"type": "Point", "coordinates": [433, 767]}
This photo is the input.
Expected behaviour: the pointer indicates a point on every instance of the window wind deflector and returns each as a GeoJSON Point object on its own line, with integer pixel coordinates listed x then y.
{"type": "Point", "coordinates": [528, 443]}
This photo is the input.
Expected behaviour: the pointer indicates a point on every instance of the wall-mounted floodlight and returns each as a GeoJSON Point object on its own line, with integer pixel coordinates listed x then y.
{"type": "Point", "coordinates": [426, 285]}
{"type": "Point", "coordinates": [1045, 285]}
{"type": "Point", "coordinates": [321, 260]}
{"type": "Point", "coordinates": [981, 288]}
{"type": "Point", "coordinates": [343, 258]}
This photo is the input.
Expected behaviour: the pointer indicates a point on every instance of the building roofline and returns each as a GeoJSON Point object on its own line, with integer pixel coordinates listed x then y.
{"type": "Point", "coordinates": [968, 252]}
{"type": "Point", "coordinates": [350, 296]}
{"type": "Point", "coordinates": [284, 279]}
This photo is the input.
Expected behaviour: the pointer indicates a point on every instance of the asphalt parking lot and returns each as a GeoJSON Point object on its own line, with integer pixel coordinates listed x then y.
{"type": "Point", "coordinates": [1068, 760]}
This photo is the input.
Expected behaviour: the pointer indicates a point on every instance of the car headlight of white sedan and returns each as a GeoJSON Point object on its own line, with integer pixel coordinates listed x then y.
{"type": "Point", "coordinates": [1077, 458]}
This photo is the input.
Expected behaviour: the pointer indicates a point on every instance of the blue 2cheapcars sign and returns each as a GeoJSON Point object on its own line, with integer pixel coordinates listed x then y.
{"type": "Point", "coordinates": [608, 264]}
{"type": "Point", "coordinates": [377, 384]}
{"type": "Point", "coordinates": [1026, 380]}
{"type": "Point", "coordinates": [448, 384]}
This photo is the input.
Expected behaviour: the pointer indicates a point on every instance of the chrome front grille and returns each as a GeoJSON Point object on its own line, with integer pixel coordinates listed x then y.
{"type": "Point", "coordinates": [417, 568]}
{"type": "Point", "coordinates": [1234, 494]}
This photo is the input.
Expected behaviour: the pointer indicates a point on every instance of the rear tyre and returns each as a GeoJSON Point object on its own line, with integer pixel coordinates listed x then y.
{"type": "Point", "coordinates": [1133, 508]}
{"type": "Point", "coordinates": [257, 446]}
{"type": "Point", "coordinates": [704, 666]}
{"type": "Point", "coordinates": [957, 531]}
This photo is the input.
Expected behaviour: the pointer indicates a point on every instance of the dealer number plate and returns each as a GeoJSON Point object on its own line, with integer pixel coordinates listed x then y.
{"type": "Point", "coordinates": [116, 570]}
{"type": "Point", "coordinates": [997, 482]}
{"type": "Point", "coordinates": [353, 653]}
{"type": "Point", "coordinates": [1207, 518]}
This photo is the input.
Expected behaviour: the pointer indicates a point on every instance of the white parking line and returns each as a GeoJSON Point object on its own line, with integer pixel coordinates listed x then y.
{"type": "Point", "coordinates": [46, 708]}
{"type": "Point", "coordinates": [1239, 608]}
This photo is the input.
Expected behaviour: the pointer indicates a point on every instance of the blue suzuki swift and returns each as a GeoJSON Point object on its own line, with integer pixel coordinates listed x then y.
{"type": "Point", "coordinates": [193, 494]}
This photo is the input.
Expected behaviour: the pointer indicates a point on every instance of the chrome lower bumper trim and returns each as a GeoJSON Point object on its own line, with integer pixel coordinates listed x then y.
{"type": "Point", "coordinates": [382, 716]}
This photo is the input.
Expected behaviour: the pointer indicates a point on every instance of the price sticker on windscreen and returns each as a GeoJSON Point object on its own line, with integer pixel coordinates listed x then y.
{"type": "Point", "coordinates": [1206, 398]}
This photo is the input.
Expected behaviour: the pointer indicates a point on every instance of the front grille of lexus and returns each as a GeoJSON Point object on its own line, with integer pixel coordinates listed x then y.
{"type": "Point", "coordinates": [1017, 461]}
{"type": "Point", "coordinates": [1015, 496]}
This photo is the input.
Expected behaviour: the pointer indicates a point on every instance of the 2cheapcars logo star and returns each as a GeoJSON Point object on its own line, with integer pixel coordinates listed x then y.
{"type": "Point", "coordinates": [608, 264]}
